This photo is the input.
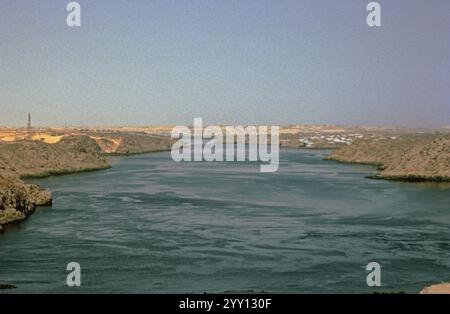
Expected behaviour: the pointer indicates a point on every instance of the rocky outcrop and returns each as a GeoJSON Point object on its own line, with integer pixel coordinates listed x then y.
{"type": "Point", "coordinates": [442, 288]}
{"type": "Point", "coordinates": [407, 158]}
{"type": "Point", "coordinates": [38, 159]}
{"type": "Point", "coordinates": [39, 196]}
{"type": "Point", "coordinates": [4, 286]}
{"type": "Point", "coordinates": [19, 200]}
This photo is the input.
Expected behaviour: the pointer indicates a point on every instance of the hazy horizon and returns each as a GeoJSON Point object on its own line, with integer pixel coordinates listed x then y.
{"type": "Point", "coordinates": [249, 62]}
{"type": "Point", "coordinates": [206, 123]}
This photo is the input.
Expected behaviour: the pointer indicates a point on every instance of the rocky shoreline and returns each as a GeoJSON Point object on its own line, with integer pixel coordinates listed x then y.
{"type": "Point", "coordinates": [412, 158]}
{"type": "Point", "coordinates": [19, 200]}
{"type": "Point", "coordinates": [72, 154]}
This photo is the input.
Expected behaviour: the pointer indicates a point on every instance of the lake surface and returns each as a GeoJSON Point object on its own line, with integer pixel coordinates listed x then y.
{"type": "Point", "coordinates": [152, 225]}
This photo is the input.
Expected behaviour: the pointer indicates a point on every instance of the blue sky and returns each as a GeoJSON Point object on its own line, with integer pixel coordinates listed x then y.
{"type": "Point", "coordinates": [231, 62]}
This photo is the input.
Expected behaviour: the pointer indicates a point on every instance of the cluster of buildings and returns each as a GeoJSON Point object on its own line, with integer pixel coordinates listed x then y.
{"type": "Point", "coordinates": [329, 139]}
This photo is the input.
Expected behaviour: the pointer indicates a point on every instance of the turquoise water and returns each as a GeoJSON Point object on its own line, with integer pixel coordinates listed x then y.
{"type": "Point", "coordinates": [152, 225]}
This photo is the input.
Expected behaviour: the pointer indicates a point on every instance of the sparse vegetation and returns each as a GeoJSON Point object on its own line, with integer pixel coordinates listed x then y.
{"type": "Point", "coordinates": [424, 157]}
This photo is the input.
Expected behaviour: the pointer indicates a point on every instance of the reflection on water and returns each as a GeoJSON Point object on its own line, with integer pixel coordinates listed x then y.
{"type": "Point", "coordinates": [151, 225]}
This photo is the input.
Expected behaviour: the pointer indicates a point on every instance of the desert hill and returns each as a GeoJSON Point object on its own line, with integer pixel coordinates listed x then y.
{"type": "Point", "coordinates": [420, 157]}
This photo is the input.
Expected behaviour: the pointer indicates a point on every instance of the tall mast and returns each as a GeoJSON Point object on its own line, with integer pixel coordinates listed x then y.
{"type": "Point", "coordinates": [29, 127]}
